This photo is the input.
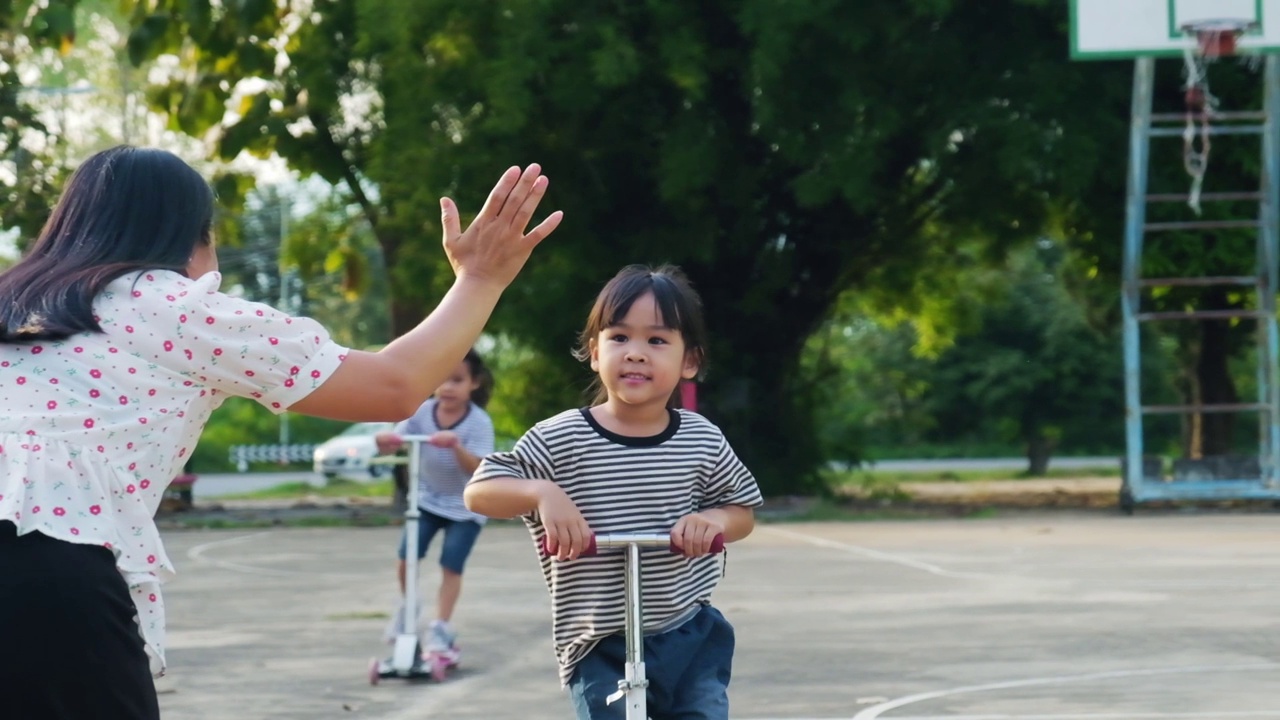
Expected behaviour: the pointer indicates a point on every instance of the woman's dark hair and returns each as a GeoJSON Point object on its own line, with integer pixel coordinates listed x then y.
{"type": "Point", "coordinates": [123, 210]}
{"type": "Point", "coordinates": [484, 379]}
{"type": "Point", "coordinates": [677, 301]}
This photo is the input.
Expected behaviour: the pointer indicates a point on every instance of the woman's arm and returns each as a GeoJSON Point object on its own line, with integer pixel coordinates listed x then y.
{"type": "Point", "coordinates": [390, 384]}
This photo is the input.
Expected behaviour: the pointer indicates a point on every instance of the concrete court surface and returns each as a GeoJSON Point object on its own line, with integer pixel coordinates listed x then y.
{"type": "Point", "coordinates": [1036, 616]}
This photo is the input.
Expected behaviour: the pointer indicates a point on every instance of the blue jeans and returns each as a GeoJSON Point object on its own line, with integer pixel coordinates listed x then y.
{"type": "Point", "coordinates": [688, 668]}
{"type": "Point", "coordinates": [459, 537]}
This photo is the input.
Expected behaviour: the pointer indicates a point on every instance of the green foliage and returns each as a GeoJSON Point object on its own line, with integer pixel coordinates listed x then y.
{"type": "Point", "coordinates": [526, 384]}
{"type": "Point", "coordinates": [744, 139]}
{"type": "Point", "coordinates": [1033, 363]}
{"type": "Point", "coordinates": [241, 421]}
{"type": "Point", "coordinates": [336, 487]}
{"type": "Point", "coordinates": [1023, 369]}
{"type": "Point", "coordinates": [28, 167]}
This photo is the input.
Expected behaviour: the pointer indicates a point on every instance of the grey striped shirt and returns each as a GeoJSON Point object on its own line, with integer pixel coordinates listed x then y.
{"type": "Point", "coordinates": [625, 484]}
{"type": "Point", "coordinates": [440, 479]}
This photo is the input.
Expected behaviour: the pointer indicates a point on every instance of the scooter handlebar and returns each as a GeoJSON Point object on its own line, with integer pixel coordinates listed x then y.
{"type": "Point", "coordinates": [644, 540]}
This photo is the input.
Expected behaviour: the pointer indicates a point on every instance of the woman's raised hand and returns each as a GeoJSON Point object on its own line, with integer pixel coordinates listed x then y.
{"type": "Point", "coordinates": [495, 246]}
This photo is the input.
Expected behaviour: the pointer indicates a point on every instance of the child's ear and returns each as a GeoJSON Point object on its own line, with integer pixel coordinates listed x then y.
{"type": "Point", "coordinates": [595, 355]}
{"type": "Point", "coordinates": [692, 364]}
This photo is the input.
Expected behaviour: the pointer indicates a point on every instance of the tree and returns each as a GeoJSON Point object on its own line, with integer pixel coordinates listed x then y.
{"type": "Point", "coordinates": [784, 153]}
{"type": "Point", "coordinates": [26, 181]}
{"type": "Point", "coordinates": [1033, 366]}
{"type": "Point", "coordinates": [68, 91]}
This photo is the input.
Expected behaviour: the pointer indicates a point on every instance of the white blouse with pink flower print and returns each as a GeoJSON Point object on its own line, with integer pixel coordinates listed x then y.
{"type": "Point", "coordinates": [95, 426]}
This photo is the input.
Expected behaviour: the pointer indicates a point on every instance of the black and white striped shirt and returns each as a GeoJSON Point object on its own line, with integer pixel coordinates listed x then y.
{"type": "Point", "coordinates": [441, 479]}
{"type": "Point", "coordinates": [625, 484]}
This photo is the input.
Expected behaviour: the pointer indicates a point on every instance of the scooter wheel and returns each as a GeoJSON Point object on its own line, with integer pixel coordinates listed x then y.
{"type": "Point", "coordinates": [374, 675]}
{"type": "Point", "coordinates": [439, 668]}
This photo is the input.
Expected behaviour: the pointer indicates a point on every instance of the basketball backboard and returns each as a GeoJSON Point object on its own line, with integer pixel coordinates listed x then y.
{"type": "Point", "coordinates": [1111, 29]}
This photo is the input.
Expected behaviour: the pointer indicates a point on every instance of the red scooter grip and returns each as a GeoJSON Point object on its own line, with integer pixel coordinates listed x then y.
{"type": "Point", "coordinates": [717, 546]}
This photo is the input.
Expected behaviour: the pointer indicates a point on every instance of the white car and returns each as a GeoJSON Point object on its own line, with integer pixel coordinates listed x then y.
{"type": "Point", "coordinates": [348, 454]}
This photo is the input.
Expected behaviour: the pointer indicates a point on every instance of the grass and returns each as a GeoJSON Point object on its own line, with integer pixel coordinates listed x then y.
{"type": "Point", "coordinates": [830, 511]}
{"type": "Point", "coordinates": [368, 615]}
{"type": "Point", "coordinates": [233, 523]}
{"type": "Point", "coordinates": [886, 477]}
{"type": "Point", "coordinates": [878, 483]}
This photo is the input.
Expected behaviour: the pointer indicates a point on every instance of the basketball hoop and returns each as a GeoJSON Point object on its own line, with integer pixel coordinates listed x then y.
{"type": "Point", "coordinates": [1217, 38]}
{"type": "Point", "coordinates": [1213, 39]}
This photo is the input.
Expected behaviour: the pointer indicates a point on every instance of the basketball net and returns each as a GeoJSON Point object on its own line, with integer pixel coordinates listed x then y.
{"type": "Point", "coordinates": [1213, 39]}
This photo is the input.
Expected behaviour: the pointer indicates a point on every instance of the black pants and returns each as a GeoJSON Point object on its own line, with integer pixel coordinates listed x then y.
{"type": "Point", "coordinates": [69, 647]}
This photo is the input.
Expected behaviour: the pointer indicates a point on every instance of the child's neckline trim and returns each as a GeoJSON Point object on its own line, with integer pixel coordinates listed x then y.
{"type": "Point", "coordinates": [632, 441]}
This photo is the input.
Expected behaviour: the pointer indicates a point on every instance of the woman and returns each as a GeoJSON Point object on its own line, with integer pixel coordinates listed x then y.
{"type": "Point", "coordinates": [115, 347]}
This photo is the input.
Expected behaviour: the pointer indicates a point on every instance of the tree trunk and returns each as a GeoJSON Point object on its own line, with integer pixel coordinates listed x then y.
{"type": "Point", "coordinates": [1192, 425]}
{"type": "Point", "coordinates": [1039, 451]}
{"type": "Point", "coordinates": [406, 313]}
{"type": "Point", "coordinates": [406, 310]}
{"type": "Point", "coordinates": [1213, 375]}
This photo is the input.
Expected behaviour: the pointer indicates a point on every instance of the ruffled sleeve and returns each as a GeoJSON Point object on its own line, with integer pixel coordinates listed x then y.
{"type": "Point", "coordinates": [244, 348]}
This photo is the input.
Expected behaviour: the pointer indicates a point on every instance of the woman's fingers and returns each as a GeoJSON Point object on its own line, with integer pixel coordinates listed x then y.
{"type": "Point", "coordinates": [530, 184]}
{"type": "Point", "coordinates": [523, 212]}
{"type": "Point", "coordinates": [494, 204]}
{"type": "Point", "coordinates": [544, 228]}
{"type": "Point", "coordinates": [449, 219]}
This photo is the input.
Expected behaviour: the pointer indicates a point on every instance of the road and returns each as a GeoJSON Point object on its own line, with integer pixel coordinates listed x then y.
{"type": "Point", "coordinates": [1086, 615]}
{"type": "Point", "coordinates": [215, 485]}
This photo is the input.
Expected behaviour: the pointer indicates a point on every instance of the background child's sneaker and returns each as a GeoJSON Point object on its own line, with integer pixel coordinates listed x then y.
{"type": "Point", "coordinates": [441, 637]}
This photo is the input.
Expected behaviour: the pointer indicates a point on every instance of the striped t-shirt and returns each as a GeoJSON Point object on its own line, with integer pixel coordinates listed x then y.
{"type": "Point", "coordinates": [625, 484]}
{"type": "Point", "coordinates": [440, 479]}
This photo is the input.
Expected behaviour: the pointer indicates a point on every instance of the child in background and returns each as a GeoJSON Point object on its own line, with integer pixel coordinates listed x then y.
{"type": "Point", "coordinates": [632, 462]}
{"type": "Point", "coordinates": [461, 434]}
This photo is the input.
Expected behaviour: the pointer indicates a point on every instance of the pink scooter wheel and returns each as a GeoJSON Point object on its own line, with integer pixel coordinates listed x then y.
{"type": "Point", "coordinates": [439, 667]}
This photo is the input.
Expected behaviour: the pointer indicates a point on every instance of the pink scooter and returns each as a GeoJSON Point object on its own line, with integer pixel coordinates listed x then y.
{"type": "Point", "coordinates": [408, 659]}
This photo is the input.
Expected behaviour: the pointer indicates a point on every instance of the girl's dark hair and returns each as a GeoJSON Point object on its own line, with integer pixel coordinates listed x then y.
{"type": "Point", "coordinates": [123, 210]}
{"type": "Point", "coordinates": [677, 301]}
{"type": "Point", "coordinates": [479, 372]}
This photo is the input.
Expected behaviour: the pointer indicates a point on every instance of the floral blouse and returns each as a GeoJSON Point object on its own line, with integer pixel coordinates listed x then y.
{"type": "Point", "coordinates": [94, 427]}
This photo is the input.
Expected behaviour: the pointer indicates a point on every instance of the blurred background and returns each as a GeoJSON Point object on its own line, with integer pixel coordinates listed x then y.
{"type": "Point", "coordinates": [904, 216]}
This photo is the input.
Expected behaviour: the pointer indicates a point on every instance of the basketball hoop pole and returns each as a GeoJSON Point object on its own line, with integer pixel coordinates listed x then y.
{"type": "Point", "coordinates": [1144, 75]}
{"type": "Point", "coordinates": [1269, 269]}
{"type": "Point", "coordinates": [1210, 478]}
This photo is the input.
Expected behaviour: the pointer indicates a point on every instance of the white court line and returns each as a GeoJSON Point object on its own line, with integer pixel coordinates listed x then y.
{"type": "Point", "coordinates": [876, 554]}
{"type": "Point", "coordinates": [1229, 715]}
{"type": "Point", "coordinates": [876, 711]}
{"type": "Point", "coordinates": [197, 554]}
{"type": "Point", "coordinates": [1270, 714]}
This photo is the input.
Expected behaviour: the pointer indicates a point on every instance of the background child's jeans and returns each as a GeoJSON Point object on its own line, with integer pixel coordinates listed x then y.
{"type": "Point", "coordinates": [688, 669]}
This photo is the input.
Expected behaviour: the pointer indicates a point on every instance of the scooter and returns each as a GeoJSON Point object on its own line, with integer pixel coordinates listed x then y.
{"type": "Point", "coordinates": [408, 659]}
{"type": "Point", "coordinates": [633, 687]}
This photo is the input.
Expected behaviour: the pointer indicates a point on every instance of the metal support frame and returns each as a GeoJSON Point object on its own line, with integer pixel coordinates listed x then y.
{"type": "Point", "coordinates": [1138, 486]}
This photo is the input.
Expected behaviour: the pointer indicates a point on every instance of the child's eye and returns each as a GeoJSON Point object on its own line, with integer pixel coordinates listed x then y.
{"type": "Point", "coordinates": [658, 341]}
{"type": "Point", "coordinates": [618, 337]}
